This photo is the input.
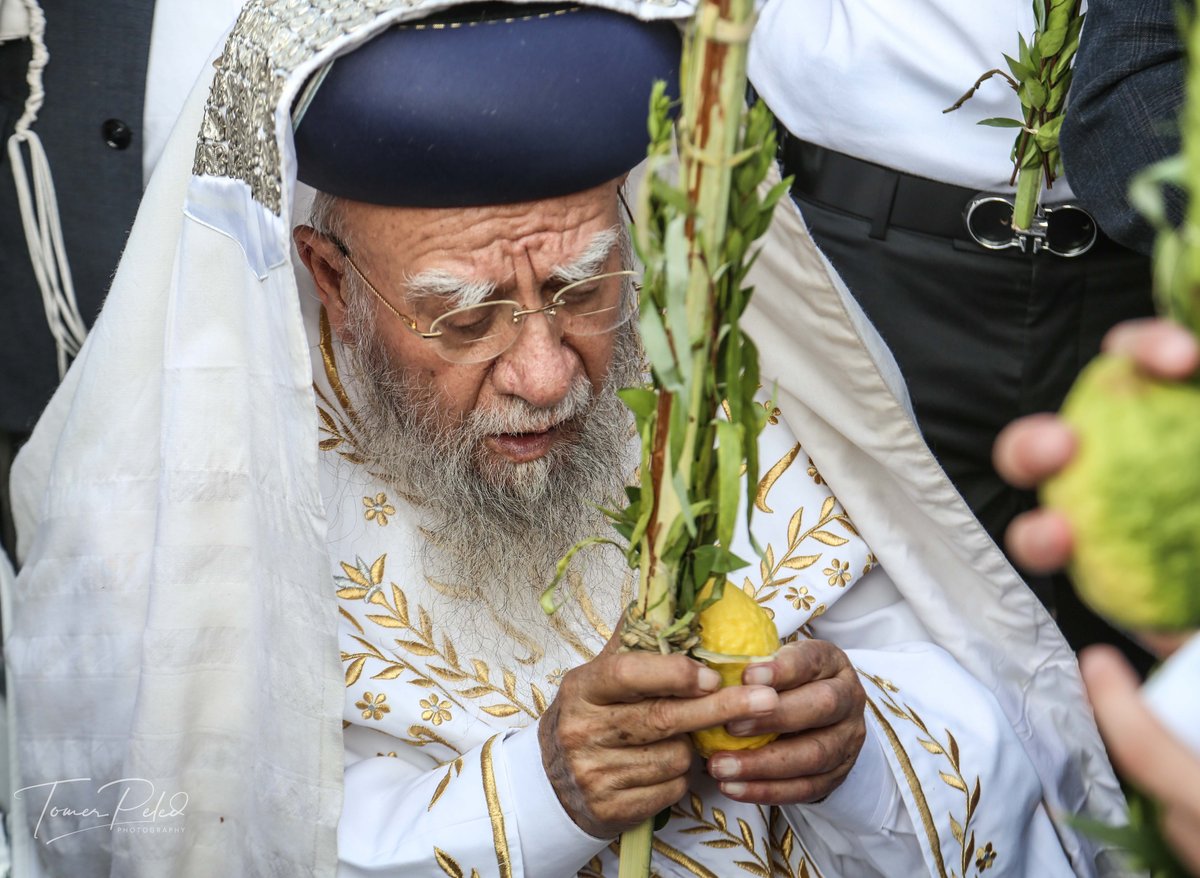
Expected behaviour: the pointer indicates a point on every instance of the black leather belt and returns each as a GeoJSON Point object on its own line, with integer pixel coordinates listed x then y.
{"type": "Point", "coordinates": [887, 198]}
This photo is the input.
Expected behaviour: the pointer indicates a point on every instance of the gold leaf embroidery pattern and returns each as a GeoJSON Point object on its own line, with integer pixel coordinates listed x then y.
{"type": "Point", "coordinates": [784, 844]}
{"type": "Point", "coordinates": [723, 837]}
{"type": "Point", "coordinates": [338, 421]}
{"type": "Point", "coordinates": [948, 750]}
{"type": "Point", "coordinates": [365, 583]}
{"type": "Point", "coordinates": [453, 770]}
{"type": "Point", "coordinates": [449, 866]}
{"type": "Point", "coordinates": [775, 572]}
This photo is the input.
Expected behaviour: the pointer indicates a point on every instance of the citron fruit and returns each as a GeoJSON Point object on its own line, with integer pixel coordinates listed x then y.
{"type": "Point", "coordinates": [1132, 496]}
{"type": "Point", "coordinates": [734, 632]}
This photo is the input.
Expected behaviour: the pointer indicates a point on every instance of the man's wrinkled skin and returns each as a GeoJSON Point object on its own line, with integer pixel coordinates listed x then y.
{"type": "Point", "coordinates": [614, 741]}
{"type": "Point", "coordinates": [1031, 450]}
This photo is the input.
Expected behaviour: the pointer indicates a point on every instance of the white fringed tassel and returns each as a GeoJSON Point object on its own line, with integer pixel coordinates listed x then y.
{"type": "Point", "coordinates": [39, 209]}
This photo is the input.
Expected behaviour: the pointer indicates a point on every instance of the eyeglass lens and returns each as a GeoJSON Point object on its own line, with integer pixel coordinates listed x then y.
{"type": "Point", "coordinates": [589, 307]}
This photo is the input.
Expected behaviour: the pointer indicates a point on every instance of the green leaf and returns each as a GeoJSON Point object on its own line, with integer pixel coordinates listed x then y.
{"type": "Point", "coordinates": [642, 401]}
{"type": "Point", "coordinates": [1020, 72]}
{"type": "Point", "coordinates": [1047, 135]}
{"type": "Point", "coordinates": [729, 464]}
{"type": "Point", "coordinates": [1032, 94]}
{"type": "Point", "coordinates": [1001, 122]}
{"type": "Point", "coordinates": [658, 350]}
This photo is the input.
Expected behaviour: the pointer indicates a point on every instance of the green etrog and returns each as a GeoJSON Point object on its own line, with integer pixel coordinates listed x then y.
{"type": "Point", "coordinates": [1132, 496]}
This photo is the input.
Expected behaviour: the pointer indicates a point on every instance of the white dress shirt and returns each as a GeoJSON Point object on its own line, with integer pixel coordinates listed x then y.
{"type": "Point", "coordinates": [870, 78]}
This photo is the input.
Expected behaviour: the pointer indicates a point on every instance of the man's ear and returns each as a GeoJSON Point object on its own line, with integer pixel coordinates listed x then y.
{"type": "Point", "coordinates": [324, 261]}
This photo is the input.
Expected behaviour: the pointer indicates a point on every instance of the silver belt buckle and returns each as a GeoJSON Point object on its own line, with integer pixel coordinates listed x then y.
{"type": "Point", "coordinates": [1065, 230]}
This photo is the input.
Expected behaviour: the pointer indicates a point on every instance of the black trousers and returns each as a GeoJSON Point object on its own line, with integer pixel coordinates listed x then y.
{"type": "Point", "coordinates": [983, 337]}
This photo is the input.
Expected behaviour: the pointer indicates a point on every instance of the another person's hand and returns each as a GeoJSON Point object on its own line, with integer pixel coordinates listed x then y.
{"type": "Point", "coordinates": [1145, 752]}
{"type": "Point", "coordinates": [1033, 448]}
{"type": "Point", "coordinates": [820, 716]}
{"type": "Point", "coordinates": [615, 740]}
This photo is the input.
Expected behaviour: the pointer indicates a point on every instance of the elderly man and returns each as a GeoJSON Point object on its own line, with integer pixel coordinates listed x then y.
{"type": "Point", "coordinates": [383, 453]}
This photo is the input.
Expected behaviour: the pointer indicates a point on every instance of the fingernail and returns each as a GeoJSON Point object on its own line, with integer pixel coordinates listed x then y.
{"type": "Point", "coordinates": [741, 728]}
{"type": "Point", "coordinates": [723, 766]}
{"type": "Point", "coordinates": [759, 675]}
{"type": "Point", "coordinates": [733, 790]}
{"type": "Point", "coordinates": [761, 700]}
{"type": "Point", "coordinates": [710, 680]}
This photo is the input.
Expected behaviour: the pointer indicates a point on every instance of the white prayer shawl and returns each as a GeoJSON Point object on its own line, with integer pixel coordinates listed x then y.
{"type": "Point", "coordinates": [174, 622]}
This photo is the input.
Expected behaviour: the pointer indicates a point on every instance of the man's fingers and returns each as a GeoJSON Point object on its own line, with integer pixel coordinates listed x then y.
{"type": "Point", "coordinates": [784, 792]}
{"type": "Point", "coordinates": [1039, 541]}
{"type": "Point", "coordinates": [1145, 752]}
{"type": "Point", "coordinates": [796, 664]}
{"type": "Point", "coordinates": [624, 677]}
{"type": "Point", "coordinates": [1033, 448]}
{"type": "Point", "coordinates": [656, 719]}
{"type": "Point", "coordinates": [810, 754]}
{"type": "Point", "coordinates": [1159, 347]}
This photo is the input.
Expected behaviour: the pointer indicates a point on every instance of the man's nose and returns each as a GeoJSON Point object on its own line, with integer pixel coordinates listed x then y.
{"type": "Point", "coordinates": [538, 367]}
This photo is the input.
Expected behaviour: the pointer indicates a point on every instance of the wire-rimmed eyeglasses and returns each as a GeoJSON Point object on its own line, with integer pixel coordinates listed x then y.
{"type": "Point", "coordinates": [481, 332]}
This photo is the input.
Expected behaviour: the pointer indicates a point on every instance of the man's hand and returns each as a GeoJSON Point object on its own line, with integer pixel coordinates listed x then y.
{"type": "Point", "coordinates": [1031, 449]}
{"type": "Point", "coordinates": [614, 742]}
{"type": "Point", "coordinates": [1145, 752]}
{"type": "Point", "coordinates": [820, 716]}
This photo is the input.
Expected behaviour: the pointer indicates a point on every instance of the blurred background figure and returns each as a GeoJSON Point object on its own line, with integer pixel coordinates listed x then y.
{"type": "Point", "coordinates": [883, 177]}
{"type": "Point", "coordinates": [100, 86]}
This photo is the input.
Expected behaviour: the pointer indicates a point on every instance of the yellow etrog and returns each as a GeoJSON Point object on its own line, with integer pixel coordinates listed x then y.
{"type": "Point", "coordinates": [734, 631]}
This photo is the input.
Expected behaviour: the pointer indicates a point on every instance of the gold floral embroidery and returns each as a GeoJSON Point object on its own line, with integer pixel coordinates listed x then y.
{"type": "Point", "coordinates": [814, 474]}
{"type": "Point", "coordinates": [435, 711]}
{"type": "Point", "coordinates": [365, 583]}
{"type": "Point", "coordinates": [555, 677]}
{"type": "Point", "coordinates": [372, 706]}
{"type": "Point", "coordinates": [772, 570]}
{"type": "Point", "coordinates": [986, 858]}
{"type": "Point", "coordinates": [838, 573]}
{"type": "Point", "coordinates": [954, 778]}
{"type": "Point", "coordinates": [800, 598]}
{"type": "Point", "coordinates": [378, 509]}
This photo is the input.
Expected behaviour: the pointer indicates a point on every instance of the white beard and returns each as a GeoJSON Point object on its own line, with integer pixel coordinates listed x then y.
{"type": "Point", "coordinates": [495, 529]}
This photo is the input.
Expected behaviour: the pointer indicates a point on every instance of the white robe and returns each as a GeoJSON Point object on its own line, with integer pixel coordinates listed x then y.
{"type": "Point", "coordinates": [174, 620]}
{"type": "Point", "coordinates": [443, 763]}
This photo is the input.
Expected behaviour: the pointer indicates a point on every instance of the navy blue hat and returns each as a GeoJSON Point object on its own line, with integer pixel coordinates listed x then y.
{"type": "Point", "coordinates": [490, 104]}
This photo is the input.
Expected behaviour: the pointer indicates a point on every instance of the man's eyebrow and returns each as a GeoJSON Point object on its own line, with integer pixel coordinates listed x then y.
{"type": "Point", "coordinates": [462, 292]}
{"type": "Point", "coordinates": [439, 283]}
{"type": "Point", "coordinates": [591, 261]}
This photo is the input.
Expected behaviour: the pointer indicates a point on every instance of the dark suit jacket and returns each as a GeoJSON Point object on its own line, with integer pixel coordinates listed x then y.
{"type": "Point", "coordinates": [1124, 110]}
{"type": "Point", "coordinates": [96, 73]}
